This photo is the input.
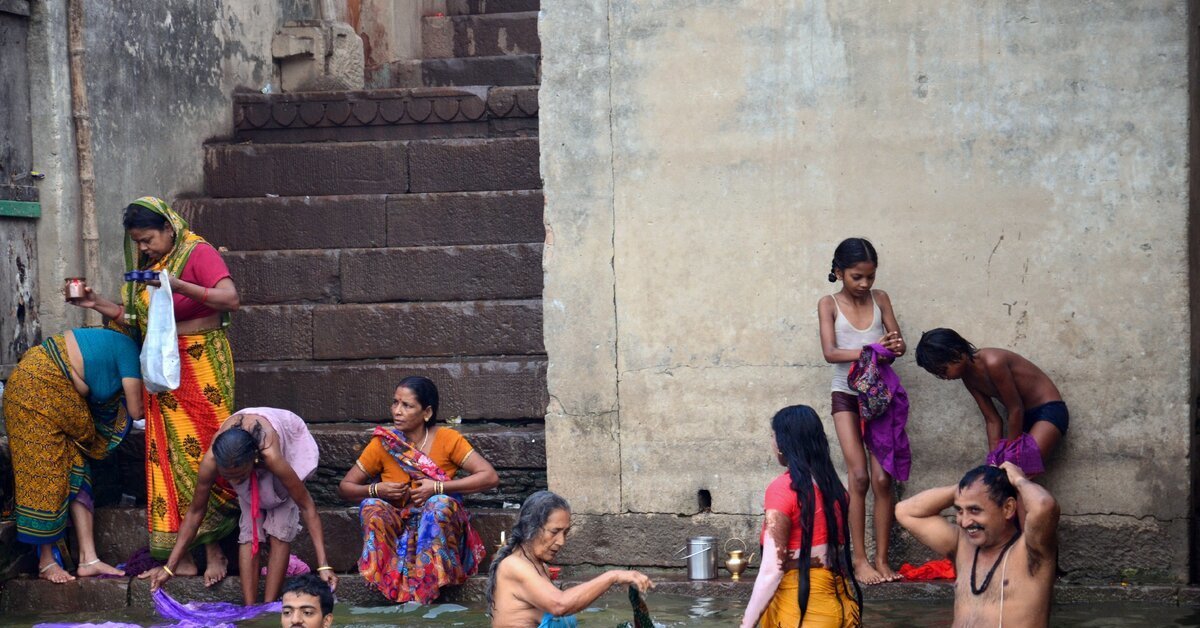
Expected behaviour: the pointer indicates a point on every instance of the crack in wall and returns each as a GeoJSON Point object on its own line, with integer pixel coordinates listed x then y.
{"type": "Point", "coordinates": [612, 189]}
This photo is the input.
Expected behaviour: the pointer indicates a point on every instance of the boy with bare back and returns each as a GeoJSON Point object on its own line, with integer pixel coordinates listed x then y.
{"type": "Point", "coordinates": [1032, 403]}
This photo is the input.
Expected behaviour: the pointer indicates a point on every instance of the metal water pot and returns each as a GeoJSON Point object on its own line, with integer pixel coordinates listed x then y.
{"type": "Point", "coordinates": [701, 555]}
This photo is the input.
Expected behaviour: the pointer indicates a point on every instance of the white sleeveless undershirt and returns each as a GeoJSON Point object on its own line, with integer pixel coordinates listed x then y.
{"type": "Point", "coordinates": [847, 336]}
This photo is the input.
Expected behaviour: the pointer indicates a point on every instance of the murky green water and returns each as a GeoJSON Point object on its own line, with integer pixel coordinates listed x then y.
{"type": "Point", "coordinates": [673, 610]}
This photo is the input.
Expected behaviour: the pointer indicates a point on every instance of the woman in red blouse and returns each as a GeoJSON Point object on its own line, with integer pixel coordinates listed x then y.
{"type": "Point", "coordinates": [807, 567]}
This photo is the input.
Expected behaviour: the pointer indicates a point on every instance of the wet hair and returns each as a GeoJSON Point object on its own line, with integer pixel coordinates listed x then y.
{"type": "Point", "coordinates": [310, 584]}
{"type": "Point", "coordinates": [235, 446]}
{"type": "Point", "coordinates": [850, 252]}
{"type": "Point", "coordinates": [941, 346]}
{"type": "Point", "coordinates": [535, 512]}
{"type": "Point", "coordinates": [800, 437]}
{"type": "Point", "coordinates": [994, 479]}
{"type": "Point", "coordinates": [426, 392]}
{"type": "Point", "coordinates": [142, 217]}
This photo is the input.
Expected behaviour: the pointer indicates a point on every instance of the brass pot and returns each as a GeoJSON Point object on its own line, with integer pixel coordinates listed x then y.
{"type": "Point", "coordinates": [736, 563]}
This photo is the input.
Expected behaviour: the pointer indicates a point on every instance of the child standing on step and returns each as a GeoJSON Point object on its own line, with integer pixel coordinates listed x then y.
{"type": "Point", "coordinates": [850, 319]}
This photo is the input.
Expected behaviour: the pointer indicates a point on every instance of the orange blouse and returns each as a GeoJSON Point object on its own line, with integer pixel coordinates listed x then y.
{"type": "Point", "coordinates": [449, 452]}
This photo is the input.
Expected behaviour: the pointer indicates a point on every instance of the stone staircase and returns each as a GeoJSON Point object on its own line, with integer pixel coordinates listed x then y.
{"type": "Point", "coordinates": [376, 234]}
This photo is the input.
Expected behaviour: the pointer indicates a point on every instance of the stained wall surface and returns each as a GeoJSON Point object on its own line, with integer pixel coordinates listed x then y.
{"type": "Point", "coordinates": [1021, 167]}
{"type": "Point", "coordinates": [159, 78]}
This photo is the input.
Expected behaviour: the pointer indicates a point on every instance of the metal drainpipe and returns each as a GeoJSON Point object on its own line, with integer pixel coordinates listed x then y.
{"type": "Point", "coordinates": [83, 150]}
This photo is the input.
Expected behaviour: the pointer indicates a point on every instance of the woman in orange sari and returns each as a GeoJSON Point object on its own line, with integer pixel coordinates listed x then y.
{"type": "Point", "coordinates": [180, 424]}
{"type": "Point", "coordinates": [417, 534]}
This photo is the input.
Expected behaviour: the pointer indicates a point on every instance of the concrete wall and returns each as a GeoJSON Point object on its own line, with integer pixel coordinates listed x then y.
{"type": "Point", "coordinates": [1021, 167]}
{"type": "Point", "coordinates": [159, 80]}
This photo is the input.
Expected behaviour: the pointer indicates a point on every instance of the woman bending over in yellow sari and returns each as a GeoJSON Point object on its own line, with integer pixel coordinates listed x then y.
{"type": "Point", "coordinates": [62, 408]}
{"type": "Point", "coordinates": [180, 424]}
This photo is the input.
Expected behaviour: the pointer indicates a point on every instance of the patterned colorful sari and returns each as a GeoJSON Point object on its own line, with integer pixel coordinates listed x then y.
{"type": "Point", "coordinates": [53, 431]}
{"type": "Point", "coordinates": [180, 424]}
{"type": "Point", "coordinates": [410, 553]}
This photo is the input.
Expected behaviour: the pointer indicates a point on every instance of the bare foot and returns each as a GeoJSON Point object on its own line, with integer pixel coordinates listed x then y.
{"type": "Point", "coordinates": [866, 573]}
{"type": "Point", "coordinates": [54, 573]}
{"type": "Point", "coordinates": [186, 566]}
{"type": "Point", "coordinates": [217, 567]}
{"type": "Point", "coordinates": [887, 573]}
{"type": "Point", "coordinates": [97, 568]}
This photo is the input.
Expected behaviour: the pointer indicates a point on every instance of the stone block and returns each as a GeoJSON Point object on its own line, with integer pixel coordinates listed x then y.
{"type": "Point", "coordinates": [453, 273]}
{"type": "Point", "coordinates": [474, 7]}
{"type": "Point", "coordinates": [318, 55]}
{"type": "Point", "coordinates": [297, 222]}
{"type": "Point", "coordinates": [523, 69]}
{"type": "Point", "coordinates": [272, 332]}
{"type": "Point", "coordinates": [465, 218]}
{"type": "Point", "coordinates": [500, 388]}
{"type": "Point", "coordinates": [428, 329]}
{"type": "Point", "coordinates": [481, 35]}
{"type": "Point", "coordinates": [32, 597]}
{"type": "Point", "coordinates": [584, 453]}
{"type": "Point", "coordinates": [474, 165]}
{"type": "Point", "coordinates": [238, 170]}
{"type": "Point", "coordinates": [275, 277]}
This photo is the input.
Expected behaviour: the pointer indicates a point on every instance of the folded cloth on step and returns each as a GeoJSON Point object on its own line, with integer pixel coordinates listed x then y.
{"type": "Point", "coordinates": [296, 567]}
{"type": "Point", "coordinates": [941, 569]}
{"type": "Point", "coordinates": [209, 613]}
{"type": "Point", "coordinates": [1022, 451]}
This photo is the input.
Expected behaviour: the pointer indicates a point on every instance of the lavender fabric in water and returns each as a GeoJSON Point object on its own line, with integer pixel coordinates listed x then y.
{"type": "Point", "coordinates": [209, 613]}
{"type": "Point", "coordinates": [1022, 451]}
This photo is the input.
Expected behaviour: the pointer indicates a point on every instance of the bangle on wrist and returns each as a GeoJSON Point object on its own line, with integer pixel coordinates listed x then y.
{"type": "Point", "coordinates": [168, 570]}
{"type": "Point", "coordinates": [324, 568]}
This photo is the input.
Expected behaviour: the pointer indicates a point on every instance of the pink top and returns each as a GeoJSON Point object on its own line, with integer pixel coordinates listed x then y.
{"type": "Point", "coordinates": [204, 268]}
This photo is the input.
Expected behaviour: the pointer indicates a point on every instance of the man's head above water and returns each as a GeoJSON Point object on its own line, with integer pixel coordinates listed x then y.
{"type": "Point", "coordinates": [985, 506]}
{"type": "Point", "coordinates": [307, 603]}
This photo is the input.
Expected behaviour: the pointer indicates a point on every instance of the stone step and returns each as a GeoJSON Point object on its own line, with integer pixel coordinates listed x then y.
{"type": "Point", "coordinates": [499, 388]}
{"type": "Point", "coordinates": [368, 221]}
{"type": "Point", "coordinates": [390, 330]}
{"type": "Point", "coordinates": [386, 114]}
{"type": "Point", "coordinates": [476, 7]}
{"type": "Point", "coordinates": [392, 167]}
{"type": "Point", "coordinates": [483, 35]}
{"type": "Point", "coordinates": [436, 273]}
{"type": "Point", "coordinates": [508, 70]}
{"type": "Point", "coordinates": [517, 452]}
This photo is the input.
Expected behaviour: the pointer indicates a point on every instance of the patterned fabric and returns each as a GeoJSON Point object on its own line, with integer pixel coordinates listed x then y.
{"type": "Point", "coordinates": [410, 553]}
{"type": "Point", "coordinates": [136, 299]}
{"type": "Point", "coordinates": [865, 379]}
{"type": "Point", "coordinates": [885, 435]}
{"type": "Point", "coordinates": [180, 427]}
{"type": "Point", "coordinates": [830, 602]}
{"type": "Point", "coordinates": [52, 433]}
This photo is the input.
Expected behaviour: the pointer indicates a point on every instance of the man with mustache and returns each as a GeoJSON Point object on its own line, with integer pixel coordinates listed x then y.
{"type": "Point", "coordinates": [1005, 568]}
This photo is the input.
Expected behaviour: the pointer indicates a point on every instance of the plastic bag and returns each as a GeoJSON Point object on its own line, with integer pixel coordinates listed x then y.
{"type": "Point", "coordinates": [160, 346]}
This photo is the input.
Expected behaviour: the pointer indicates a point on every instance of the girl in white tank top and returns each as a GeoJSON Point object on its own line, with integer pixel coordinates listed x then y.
{"type": "Point", "coordinates": [850, 319]}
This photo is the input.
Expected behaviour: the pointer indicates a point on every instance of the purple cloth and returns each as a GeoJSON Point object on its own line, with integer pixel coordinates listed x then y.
{"type": "Point", "coordinates": [1022, 451]}
{"type": "Point", "coordinates": [885, 435]}
{"type": "Point", "coordinates": [209, 613]}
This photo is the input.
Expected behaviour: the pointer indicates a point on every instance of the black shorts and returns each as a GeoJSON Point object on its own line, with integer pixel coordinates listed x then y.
{"type": "Point", "coordinates": [1054, 412]}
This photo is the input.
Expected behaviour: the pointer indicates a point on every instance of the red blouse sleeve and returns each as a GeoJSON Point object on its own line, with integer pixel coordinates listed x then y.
{"type": "Point", "coordinates": [780, 496]}
{"type": "Point", "coordinates": [205, 266]}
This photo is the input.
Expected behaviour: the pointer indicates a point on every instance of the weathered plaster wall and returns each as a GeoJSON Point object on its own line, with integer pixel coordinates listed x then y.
{"type": "Point", "coordinates": [159, 80]}
{"type": "Point", "coordinates": [1021, 167]}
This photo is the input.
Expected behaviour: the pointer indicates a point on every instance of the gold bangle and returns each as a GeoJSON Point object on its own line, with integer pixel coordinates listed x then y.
{"type": "Point", "coordinates": [324, 568]}
{"type": "Point", "coordinates": [371, 491]}
{"type": "Point", "coordinates": [168, 570]}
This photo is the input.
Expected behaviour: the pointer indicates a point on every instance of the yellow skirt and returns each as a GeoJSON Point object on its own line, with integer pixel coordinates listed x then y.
{"type": "Point", "coordinates": [830, 602]}
{"type": "Point", "coordinates": [180, 426]}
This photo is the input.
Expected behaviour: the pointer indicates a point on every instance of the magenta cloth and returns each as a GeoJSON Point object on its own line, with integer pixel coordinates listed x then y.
{"type": "Point", "coordinates": [107, 624]}
{"type": "Point", "coordinates": [885, 435]}
{"type": "Point", "coordinates": [296, 567]}
{"type": "Point", "coordinates": [1022, 451]}
{"type": "Point", "coordinates": [209, 613]}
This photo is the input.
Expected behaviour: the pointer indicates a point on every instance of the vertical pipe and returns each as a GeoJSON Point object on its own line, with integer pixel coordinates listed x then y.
{"type": "Point", "coordinates": [83, 148]}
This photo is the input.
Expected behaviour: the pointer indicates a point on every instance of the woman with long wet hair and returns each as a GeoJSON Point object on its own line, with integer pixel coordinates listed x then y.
{"type": "Point", "coordinates": [807, 569]}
